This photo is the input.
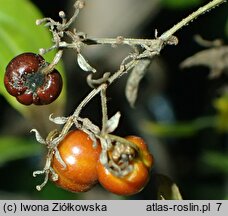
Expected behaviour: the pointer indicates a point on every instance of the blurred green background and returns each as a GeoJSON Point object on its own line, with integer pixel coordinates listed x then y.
{"type": "Point", "coordinates": [182, 114]}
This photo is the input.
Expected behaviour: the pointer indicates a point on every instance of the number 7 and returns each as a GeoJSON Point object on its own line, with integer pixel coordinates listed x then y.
{"type": "Point", "coordinates": [219, 205]}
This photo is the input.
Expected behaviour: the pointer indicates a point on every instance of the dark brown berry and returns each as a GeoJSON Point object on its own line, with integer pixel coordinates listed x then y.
{"type": "Point", "coordinates": [25, 80]}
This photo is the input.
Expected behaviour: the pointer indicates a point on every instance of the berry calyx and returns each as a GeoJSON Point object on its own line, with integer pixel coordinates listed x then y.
{"type": "Point", "coordinates": [132, 182]}
{"type": "Point", "coordinates": [25, 80]}
{"type": "Point", "coordinates": [80, 157]}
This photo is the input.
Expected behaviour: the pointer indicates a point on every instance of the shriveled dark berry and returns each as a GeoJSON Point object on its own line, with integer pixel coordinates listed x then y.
{"type": "Point", "coordinates": [25, 80]}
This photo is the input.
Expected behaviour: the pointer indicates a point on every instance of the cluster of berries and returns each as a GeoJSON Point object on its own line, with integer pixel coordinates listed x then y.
{"type": "Point", "coordinates": [84, 170]}
{"type": "Point", "coordinates": [27, 80]}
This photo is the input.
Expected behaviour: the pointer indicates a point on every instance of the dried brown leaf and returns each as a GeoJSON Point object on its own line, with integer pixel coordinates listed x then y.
{"type": "Point", "coordinates": [138, 72]}
{"type": "Point", "coordinates": [112, 123]}
{"type": "Point", "coordinates": [216, 59]}
{"type": "Point", "coordinates": [84, 65]}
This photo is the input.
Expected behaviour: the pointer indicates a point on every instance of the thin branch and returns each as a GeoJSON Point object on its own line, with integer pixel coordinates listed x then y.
{"type": "Point", "coordinates": [166, 35]}
{"type": "Point", "coordinates": [86, 100]}
{"type": "Point", "coordinates": [119, 40]}
{"type": "Point", "coordinates": [104, 108]}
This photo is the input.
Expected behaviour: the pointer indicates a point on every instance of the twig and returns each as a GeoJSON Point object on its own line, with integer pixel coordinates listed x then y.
{"type": "Point", "coordinates": [166, 35]}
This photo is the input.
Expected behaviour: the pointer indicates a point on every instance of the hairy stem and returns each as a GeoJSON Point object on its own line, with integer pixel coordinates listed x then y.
{"type": "Point", "coordinates": [86, 100]}
{"type": "Point", "coordinates": [166, 35]}
{"type": "Point", "coordinates": [104, 108]}
{"type": "Point", "coordinates": [118, 40]}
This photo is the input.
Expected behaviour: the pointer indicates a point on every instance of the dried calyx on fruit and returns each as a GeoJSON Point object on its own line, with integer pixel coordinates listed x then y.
{"type": "Point", "coordinates": [76, 164]}
{"type": "Point", "coordinates": [71, 160]}
{"type": "Point", "coordinates": [120, 157]}
{"type": "Point", "coordinates": [128, 167]}
{"type": "Point", "coordinates": [80, 158]}
{"type": "Point", "coordinates": [26, 80]}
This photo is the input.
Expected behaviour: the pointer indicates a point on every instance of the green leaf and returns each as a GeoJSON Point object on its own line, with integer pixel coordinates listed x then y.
{"type": "Point", "coordinates": [221, 105]}
{"type": "Point", "coordinates": [217, 161]}
{"type": "Point", "coordinates": [17, 148]}
{"type": "Point", "coordinates": [18, 34]}
{"type": "Point", "coordinates": [180, 4]}
{"type": "Point", "coordinates": [179, 129]}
